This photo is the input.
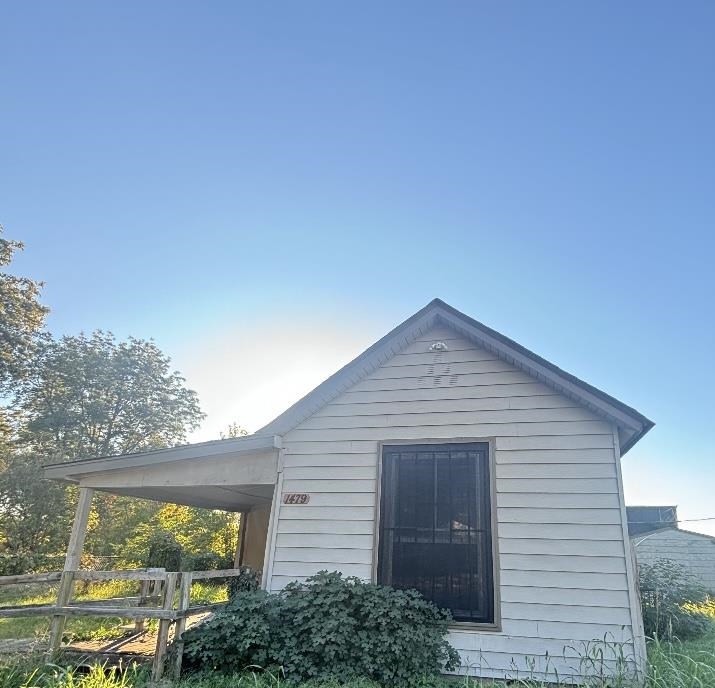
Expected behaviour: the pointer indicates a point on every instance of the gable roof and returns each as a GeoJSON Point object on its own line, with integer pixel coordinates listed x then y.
{"type": "Point", "coordinates": [640, 537]}
{"type": "Point", "coordinates": [631, 424]}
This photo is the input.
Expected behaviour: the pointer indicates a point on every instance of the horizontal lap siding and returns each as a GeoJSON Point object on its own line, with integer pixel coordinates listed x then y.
{"type": "Point", "coordinates": [694, 552]}
{"type": "Point", "coordinates": [561, 553]}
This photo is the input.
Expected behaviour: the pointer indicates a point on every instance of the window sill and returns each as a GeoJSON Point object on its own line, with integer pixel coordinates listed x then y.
{"type": "Point", "coordinates": [475, 627]}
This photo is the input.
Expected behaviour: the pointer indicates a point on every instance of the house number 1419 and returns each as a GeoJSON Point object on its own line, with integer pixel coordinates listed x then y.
{"type": "Point", "coordinates": [296, 498]}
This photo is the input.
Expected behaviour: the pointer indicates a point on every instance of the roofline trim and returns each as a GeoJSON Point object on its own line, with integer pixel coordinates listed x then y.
{"type": "Point", "coordinates": [250, 443]}
{"type": "Point", "coordinates": [436, 311]}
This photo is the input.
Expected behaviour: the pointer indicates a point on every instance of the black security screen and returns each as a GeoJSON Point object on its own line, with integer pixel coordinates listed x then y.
{"type": "Point", "coordinates": [435, 526]}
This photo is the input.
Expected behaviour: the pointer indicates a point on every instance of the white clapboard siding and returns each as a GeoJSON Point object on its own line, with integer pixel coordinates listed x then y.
{"type": "Point", "coordinates": [315, 554]}
{"type": "Point", "coordinates": [561, 531]}
{"type": "Point", "coordinates": [415, 357]}
{"type": "Point", "coordinates": [339, 513]}
{"type": "Point", "coordinates": [460, 417]}
{"type": "Point", "coordinates": [540, 667]}
{"type": "Point", "coordinates": [304, 568]}
{"type": "Point", "coordinates": [568, 596]}
{"type": "Point", "coordinates": [488, 365]}
{"type": "Point", "coordinates": [578, 631]}
{"type": "Point", "coordinates": [555, 430]}
{"type": "Point", "coordinates": [562, 571]}
{"type": "Point", "coordinates": [556, 486]}
{"type": "Point", "coordinates": [565, 612]}
{"type": "Point", "coordinates": [556, 470]}
{"type": "Point", "coordinates": [349, 459]}
{"type": "Point", "coordinates": [526, 564]}
{"type": "Point", "coordinates": [566, 441]}
{"type": "Point", "coordinates": [518, 392]}
{"type": "Point", "coordinates": [464, 380]}
{"type": "Point", "coordinates": [595, 548]}
{"type": "Point", "coordinates": [556, 456]}
{"type": "Point", "coordinates": [340, 499]}
{"type": "Point", "coordinates": [463, 404]}
{"type": "Point", "coordinates": [306, 526]}
{"type": "Point", "coordinates": [532, 646]}
{"type": "Point", "coordinates": [330, 472]}
{"type": "Point", "coordinates": [558, 515]}
{"type": "Point", "coordinates": [324, 540]}
{"type": "Point", "coordinates": [558, 501]}
{"type": "Point", "coordinates": [561, 579]}
{"type": "Point", "coordinates": [323, 485]}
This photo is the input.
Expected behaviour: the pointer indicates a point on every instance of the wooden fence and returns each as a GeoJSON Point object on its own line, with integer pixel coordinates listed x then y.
{"type": "Point", "coordinates": [156, 586]}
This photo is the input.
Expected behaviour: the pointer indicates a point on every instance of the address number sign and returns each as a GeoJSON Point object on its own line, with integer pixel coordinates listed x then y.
{"type": "Point", "coordinates": [296, 498]}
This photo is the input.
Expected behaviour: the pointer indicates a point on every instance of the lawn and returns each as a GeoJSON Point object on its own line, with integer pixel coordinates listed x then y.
{"type": "Point", "coordinates": [84, 627]}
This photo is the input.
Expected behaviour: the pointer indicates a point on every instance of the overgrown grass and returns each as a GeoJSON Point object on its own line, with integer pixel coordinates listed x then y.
{"type": "Point", "coordinates": [85, 627]}
{"type": "Point", "coordinates": [689, 664]}
{"type": "Point", "coordinates": [671, 665]}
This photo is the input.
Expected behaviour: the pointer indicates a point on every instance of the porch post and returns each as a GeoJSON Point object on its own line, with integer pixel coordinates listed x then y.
{"type": "Point", "coordinates": [74, 552]}
{"type": "Point", "coordinates": [79, 529]}
{"type": "Point", "coordinates": [238, 559]}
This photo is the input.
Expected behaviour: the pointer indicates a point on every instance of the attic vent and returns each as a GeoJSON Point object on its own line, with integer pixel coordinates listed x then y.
{"type": "Point", "coordinates": [438, 346]}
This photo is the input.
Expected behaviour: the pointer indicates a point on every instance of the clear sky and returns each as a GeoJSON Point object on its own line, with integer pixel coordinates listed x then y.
{"type": "Point", "coordinates": [267, 188]}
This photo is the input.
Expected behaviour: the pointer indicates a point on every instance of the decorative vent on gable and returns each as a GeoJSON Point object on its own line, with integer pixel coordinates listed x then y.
{"type": "Point", "coordinates": [438, 346]}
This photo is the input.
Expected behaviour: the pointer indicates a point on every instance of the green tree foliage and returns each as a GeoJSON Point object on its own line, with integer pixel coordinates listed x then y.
{"type": "Point", "coordinates": [93, 396]}
{"type": "Point", "coordinates": [202, 535]}
{"type": "Point", "coordinates": [328, 628]}
{"type": "Point", "coordinates": [86, 396]}
{"type": "Point", "coordinates": [21, 316]}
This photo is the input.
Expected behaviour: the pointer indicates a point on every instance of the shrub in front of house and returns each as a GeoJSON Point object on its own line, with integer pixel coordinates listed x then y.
{"type": "Point", "coordinates": [670, 597]}
{"type": "Point", "coordinates": [328, 628]}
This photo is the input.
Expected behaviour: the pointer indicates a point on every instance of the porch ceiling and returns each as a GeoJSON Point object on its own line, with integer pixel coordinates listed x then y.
{"type": "Point", "coordinates": [233, 475]}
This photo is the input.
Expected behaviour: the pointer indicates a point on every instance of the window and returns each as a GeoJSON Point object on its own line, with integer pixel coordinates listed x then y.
{"type": "Point", "coordinates": [435, 526]}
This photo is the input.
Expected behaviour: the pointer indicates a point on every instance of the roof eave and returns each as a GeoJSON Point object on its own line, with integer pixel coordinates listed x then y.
{"type": "Point", "coordinates": [71, 471]}
{"type": "Point", "coordinates": [636, 424]}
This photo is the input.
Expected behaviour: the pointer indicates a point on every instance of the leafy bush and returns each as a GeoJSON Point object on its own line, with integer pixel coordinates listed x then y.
{"type": "Point", "coordinates": [329, 627]}
{"type": "Point", "coordinates": [204, 561]}
{"type": "Point", "coordinates": [669, 595]}
{"type": "Point", "coordinates": [248, 581]}
{"type": "Point", "coordinates": [164, 551]}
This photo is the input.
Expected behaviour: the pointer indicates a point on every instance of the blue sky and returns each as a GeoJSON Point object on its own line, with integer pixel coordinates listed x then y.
{"type": "Point", "coordinates": [203, 172]}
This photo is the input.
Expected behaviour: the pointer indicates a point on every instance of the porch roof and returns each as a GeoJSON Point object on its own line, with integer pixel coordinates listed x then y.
{"type": "Point", "coordinates": [234, 474]}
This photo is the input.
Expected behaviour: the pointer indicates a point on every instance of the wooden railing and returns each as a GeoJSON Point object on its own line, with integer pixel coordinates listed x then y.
{"type": "Point", "coordinates": [156, 585]}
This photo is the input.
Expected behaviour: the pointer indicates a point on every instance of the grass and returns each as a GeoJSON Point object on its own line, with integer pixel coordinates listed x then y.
{"type": "Point", "coordinates": [85, 627]}
{"type": "Point", "coordinates": [688, 664]}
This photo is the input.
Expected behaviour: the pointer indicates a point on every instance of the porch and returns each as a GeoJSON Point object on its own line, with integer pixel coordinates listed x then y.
{"type": "Point", "coordinates": [236, 475]}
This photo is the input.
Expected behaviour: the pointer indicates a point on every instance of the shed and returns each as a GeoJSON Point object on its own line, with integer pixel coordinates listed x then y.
{"type": "Point", "coordinates": [446, 458]}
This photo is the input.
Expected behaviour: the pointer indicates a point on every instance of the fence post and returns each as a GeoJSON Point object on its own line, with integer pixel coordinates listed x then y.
{"type": "Point", "coordinates": [57, 627]}
{"type": "Point", "coordinates": [162, 639]}
{"type": "Point", "coordinates": [180, 627]}
{"type": "Point", "coordinates": [144, 588]}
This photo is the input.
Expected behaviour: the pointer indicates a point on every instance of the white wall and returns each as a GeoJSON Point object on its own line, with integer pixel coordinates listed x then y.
{"type": "Point", "coordinates": [695, 552]}
{"type": "Point", "coordinates": [563, 573]}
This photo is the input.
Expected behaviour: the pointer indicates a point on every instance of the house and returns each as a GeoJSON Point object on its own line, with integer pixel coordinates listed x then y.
{"type": "Point", "coordinates": [446, 458]}
{"type": "Point", "coordinates": [655, 535]}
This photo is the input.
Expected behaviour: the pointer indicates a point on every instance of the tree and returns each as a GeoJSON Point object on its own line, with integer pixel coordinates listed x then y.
{"type": "Point", "coordinates": [81, 397]}
{"type": "Point", "coordinates": [93, 396]}
{"type": "Point", "coordinates": [21, 316]}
